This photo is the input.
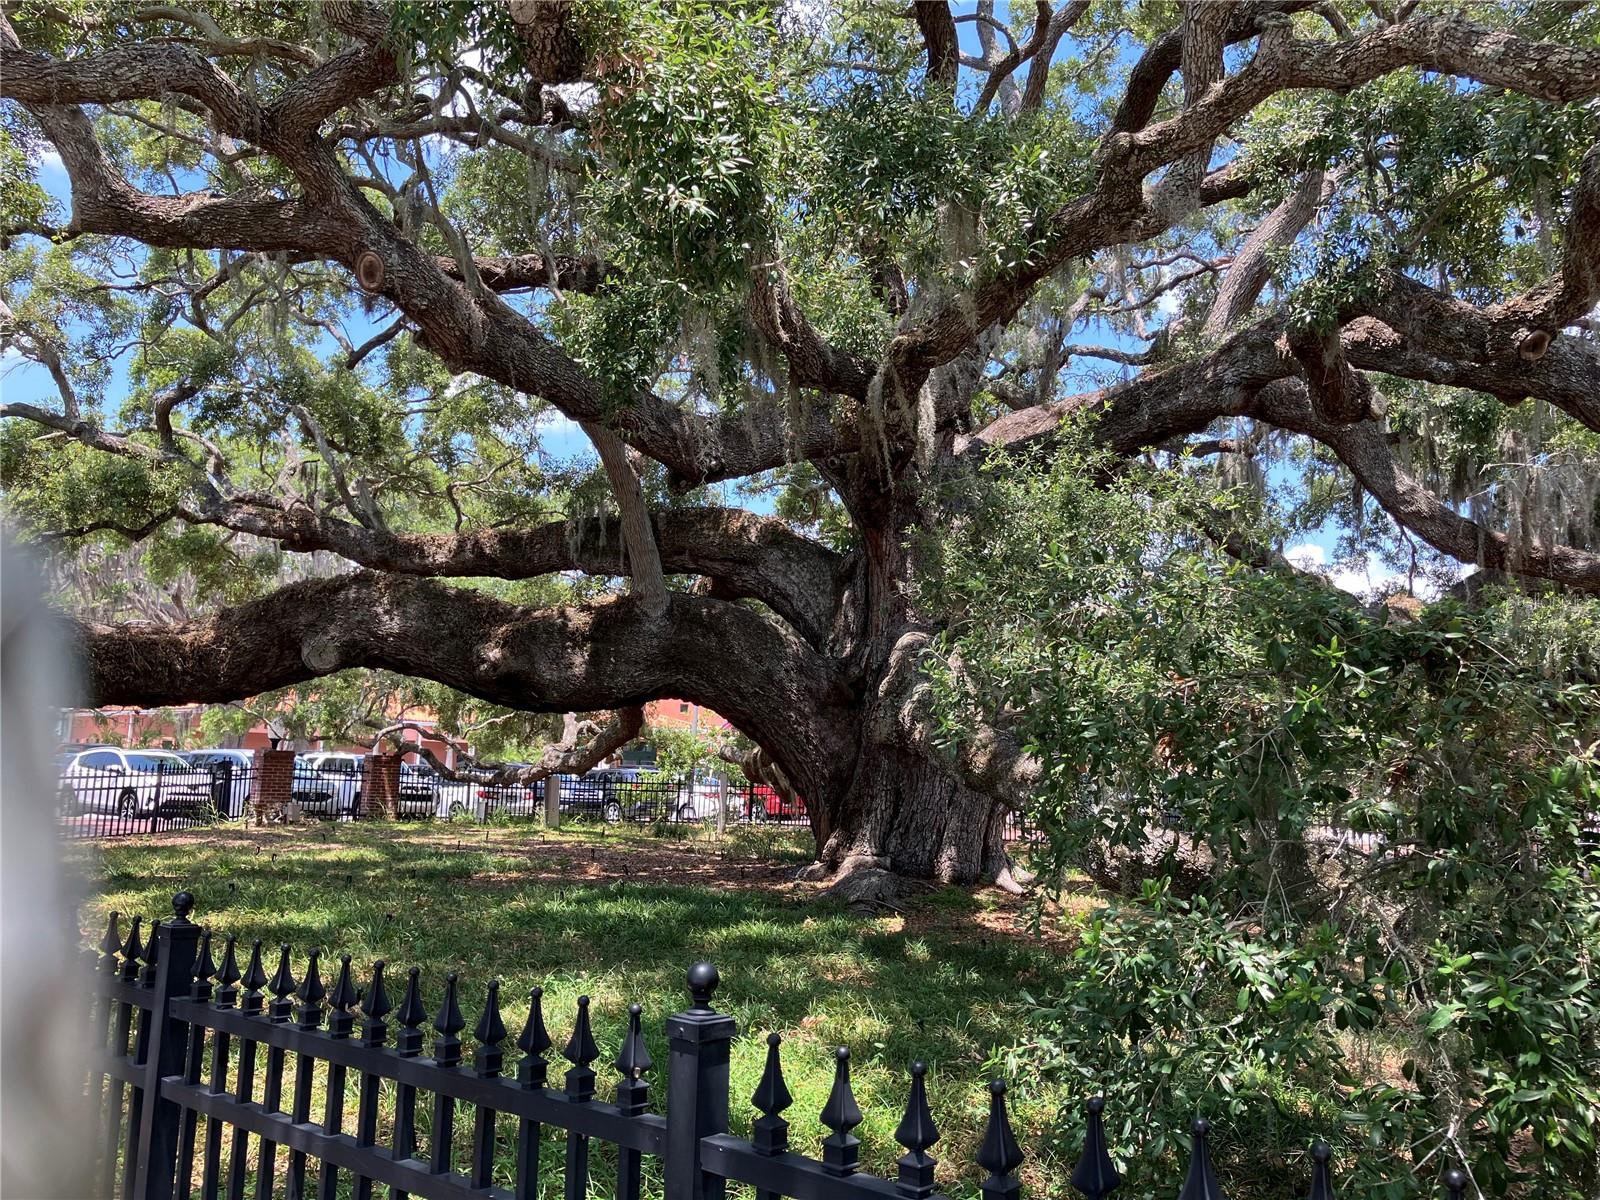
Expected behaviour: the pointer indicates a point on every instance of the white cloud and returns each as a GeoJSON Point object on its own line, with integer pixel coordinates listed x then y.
{"type": "Point", "coordinates": [50, 160]}
{"type": "Point", "coordinates": [1307, 557]}
{"type": "Point", "coordinates": [552, 423]}
{"type": "Point", "coordinates": [1366, 578]}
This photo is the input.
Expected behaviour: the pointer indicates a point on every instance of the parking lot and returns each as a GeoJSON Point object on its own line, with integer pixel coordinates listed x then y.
{"type": "Point", "coordinates": [110, 791]}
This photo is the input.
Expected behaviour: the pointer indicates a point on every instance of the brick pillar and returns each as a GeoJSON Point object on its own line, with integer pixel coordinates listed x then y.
{"type": "Point", "coordinates": [271, 783]}
{"type": "Point", "coordinates": [380, 786]}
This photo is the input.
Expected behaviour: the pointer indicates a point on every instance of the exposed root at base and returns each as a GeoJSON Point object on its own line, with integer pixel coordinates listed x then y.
{"type": "Point", "coordinates": [874, 889]}
{"type": "Point", "coordinates": [1007, 882]}
{"type": "Point", "coordinates": [865, 883]}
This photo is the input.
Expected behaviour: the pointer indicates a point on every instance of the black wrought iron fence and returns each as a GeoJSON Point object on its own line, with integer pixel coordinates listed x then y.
{"type": "Point", "coordinates": [759, 804]}
{"type": "Point", "coordinates": [190, 1106]}
{"type": "Point", "coordinates": [97, 800]}
{"type": "Point", "coordinates": [145, 793]}
{"type": "Point", "coordinates": [639, 798]}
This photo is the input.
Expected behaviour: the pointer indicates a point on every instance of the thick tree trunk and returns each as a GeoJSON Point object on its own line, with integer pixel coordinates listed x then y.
{"type": "Point", "coordinates": [902, 811]}
{"type": "Point", "coordinates": [910, 815]}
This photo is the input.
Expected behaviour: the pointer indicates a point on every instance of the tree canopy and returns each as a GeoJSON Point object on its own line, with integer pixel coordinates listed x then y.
{"type": "Point", "coordinates": [342, 285]}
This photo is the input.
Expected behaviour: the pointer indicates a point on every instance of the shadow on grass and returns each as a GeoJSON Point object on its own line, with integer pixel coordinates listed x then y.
{"type": "Point", "coordinates": [813, 970]}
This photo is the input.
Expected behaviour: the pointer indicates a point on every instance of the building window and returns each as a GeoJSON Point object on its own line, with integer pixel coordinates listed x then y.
{"type": "Point", "coordinates": [683, 708]}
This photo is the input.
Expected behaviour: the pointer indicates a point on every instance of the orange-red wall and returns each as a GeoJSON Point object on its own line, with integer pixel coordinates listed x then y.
{"type": "Point", "coordinates": [681, 714]}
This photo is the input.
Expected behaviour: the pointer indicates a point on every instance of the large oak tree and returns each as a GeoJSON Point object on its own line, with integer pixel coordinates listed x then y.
{"type": "Point", "coordinates": [798, 276]}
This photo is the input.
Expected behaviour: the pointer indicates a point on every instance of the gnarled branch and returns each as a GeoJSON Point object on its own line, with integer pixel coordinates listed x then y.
{"type": "Point", "coordinates": [603, 656]}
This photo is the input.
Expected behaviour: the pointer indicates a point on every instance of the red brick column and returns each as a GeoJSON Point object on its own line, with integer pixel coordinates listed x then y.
{"type": "Point", "coordinates": [380, 786]}
{"type": "Point", "coordinates": [271, 783]}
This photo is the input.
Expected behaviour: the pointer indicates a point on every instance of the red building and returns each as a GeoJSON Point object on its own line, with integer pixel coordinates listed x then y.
{"type": "Point", "coordinates": [683, 714]}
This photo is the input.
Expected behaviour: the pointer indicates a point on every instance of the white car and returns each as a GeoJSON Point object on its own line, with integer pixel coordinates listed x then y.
{"type": "Point", "coordinates": [133, 783]}
{"type": "Point", "coordinates": [329, 783]}
{"type": "Point", "coordinates": [704, 795]}
{"type": "Point", "coordinates": [231, 772]}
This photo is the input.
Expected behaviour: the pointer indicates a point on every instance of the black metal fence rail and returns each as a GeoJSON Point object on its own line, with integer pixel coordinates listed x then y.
{"type": "Point", "coordinates": [96, 805]}
{"type": "Point", "coordinates": [190, 1106]}
{"type": "Point", "coordinates": [116, 806]}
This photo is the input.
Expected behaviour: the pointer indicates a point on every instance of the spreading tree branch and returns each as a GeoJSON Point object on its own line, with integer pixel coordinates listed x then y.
{"type": "Point", "coordinates": [603, 656]}
{"type": "Point", "coordinates": [568, 755]}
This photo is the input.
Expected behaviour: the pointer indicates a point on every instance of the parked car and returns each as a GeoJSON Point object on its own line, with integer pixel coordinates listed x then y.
{"type": "Point", "coordinates": [600, 795]}
{"type": "Point", "coordinates": [133, 783]}
{"type": "Point", "coordinates": [418, 791]}
{"type": "Point", "coordinates": [659, 798]}
{"type": "Point", "coordinates": [66, 753]}
{"type": "Point", "coordinates": [703, 794]}
{"type": "Point", "coordinates": [518, 799]}
{"type": "Point", "coordinates": [328, 783]}
{"type": "Point", "coordinates": [765, 804]}
{"type": "Point", "coordinates": [67, 750]}
{"type": "Point", "coordinates": [230, 772]}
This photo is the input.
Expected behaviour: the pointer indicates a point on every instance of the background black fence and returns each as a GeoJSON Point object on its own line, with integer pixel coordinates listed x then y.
{"type": "Point", "coordinates": [99, 801]}
{"type": "Point", "coordinates": [210, 1078]}
{"type": "Point", "coordinates": [114, 801]}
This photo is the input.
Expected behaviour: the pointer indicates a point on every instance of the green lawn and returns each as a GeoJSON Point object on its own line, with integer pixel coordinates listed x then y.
{"type": "Point", "coordinates": [619, 919]}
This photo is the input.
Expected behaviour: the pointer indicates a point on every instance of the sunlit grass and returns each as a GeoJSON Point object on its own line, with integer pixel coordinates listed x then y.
{"type": "Point", "coordinates": [933, 984]}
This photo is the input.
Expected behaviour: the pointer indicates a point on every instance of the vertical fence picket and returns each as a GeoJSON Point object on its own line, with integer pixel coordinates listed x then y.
{"type": "Point", "coordinates": [770, 1131]}
{"type": "Point", "coordinates": [446, 1053]}
{"type": "Point", "coordinates": [999, 1153]}
{"type": "Point", "coordinates": [532, 1072]}
{"type": "Point", "coordinates": [341, 1021]}
{"type": "Point", "coordinates": [1321, 1173]}
{"type": "Point", "coordinates": [1095, 1175]}
{"type": "Point", "coordinates": [487, 1059]}
{"type": "Point", "coordinates": [917, 1133]}
{"type": "Point", "coordinates": [308, 1016]}
{"type": "Point", "coordinates": [374, 1032]}
{"type": "Point", "coordinates": [408, 1044]}
{"type": "Point", "coordinates": [132, 956]}
{"type": "Point", "coordinates": [200, 993]}
{"type": "Point", "coordinates": [169, 975]}
{"type": "Point", "coordinates": [112, 1024]}
{"type": "Point", "coordinates": [133, 972]}
{"type": "Point", "coordinates": [698, 1040]}
{"type": "Point", "coordinates": [279, 1010]}
{"type": "Point", "coordinates": [841, 1150]}
{"type": "Point", "coordinates": [1201, 1182]}
{"type": "Point", "coordinates": [227, 993]}
{"type": "Point", "coordinates": [633, 1098]}
{"type": "Point", "coordinates": [255, 978]}
{"type": "Point", "coordinates": [580, 1052]}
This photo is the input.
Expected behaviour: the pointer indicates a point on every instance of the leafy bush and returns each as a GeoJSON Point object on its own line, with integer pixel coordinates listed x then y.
{"type": "Point", "coordinates": [1385, 816]}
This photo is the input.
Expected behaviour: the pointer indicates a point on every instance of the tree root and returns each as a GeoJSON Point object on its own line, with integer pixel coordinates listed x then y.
{"type": "Point", "coordinates": [866, 883]}
{"type": "Point", "coordinates": [874, 889]}
{"type": "Point", "coordinates": [1009, 881]}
